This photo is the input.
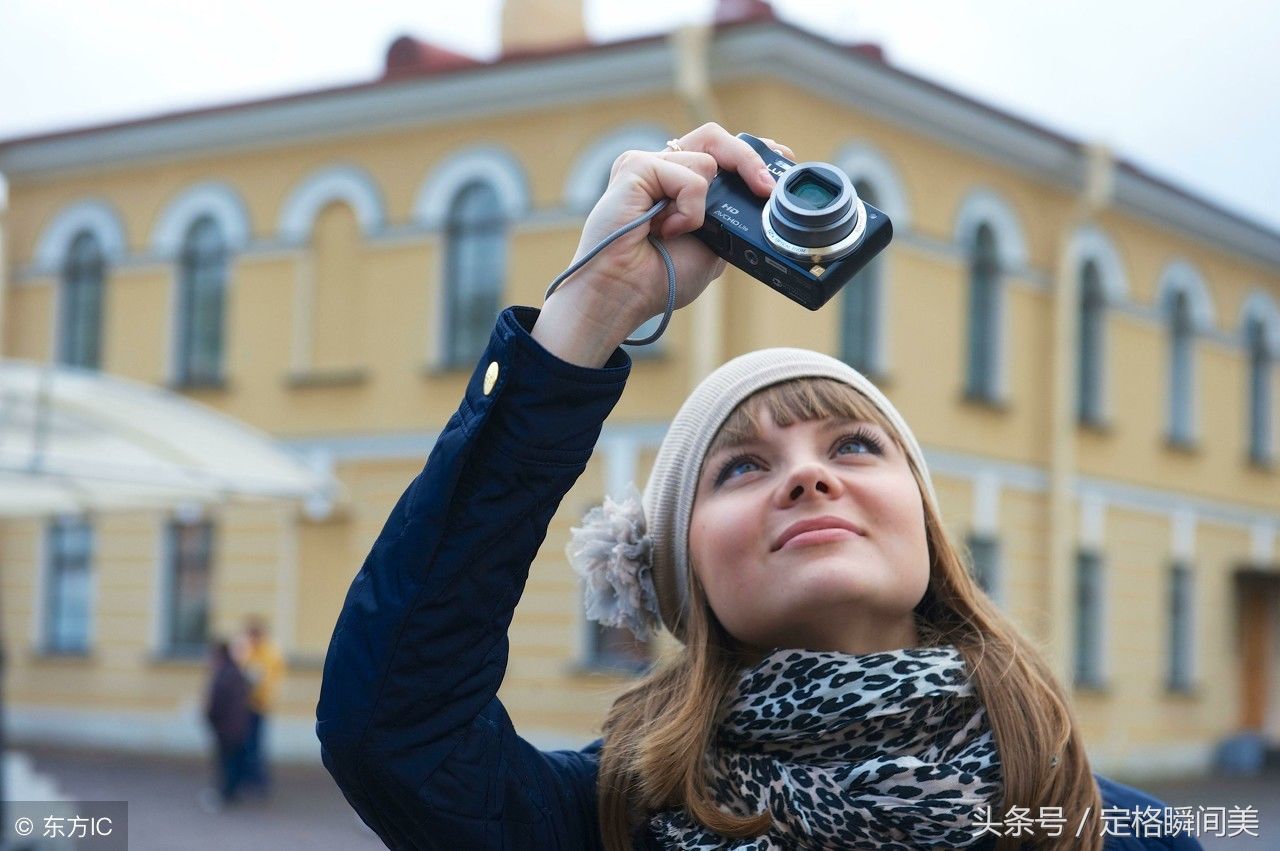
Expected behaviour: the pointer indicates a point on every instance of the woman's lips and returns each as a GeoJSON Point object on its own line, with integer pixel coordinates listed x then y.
{"type": "Point", "coordinates": [819, 536]}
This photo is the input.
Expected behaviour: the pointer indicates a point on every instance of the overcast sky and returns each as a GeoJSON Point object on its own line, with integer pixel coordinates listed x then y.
{"type": "Point", "coordinates": [1188, 90]}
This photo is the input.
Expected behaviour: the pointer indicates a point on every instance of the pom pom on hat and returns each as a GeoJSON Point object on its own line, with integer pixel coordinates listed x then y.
{"type": "Point", "coordinates": [612, 551]}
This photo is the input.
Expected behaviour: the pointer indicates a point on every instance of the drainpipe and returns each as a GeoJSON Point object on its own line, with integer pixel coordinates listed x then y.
{"type": "Point", "coordinates": [4, 265]}
{"type": "Point", "coordinates": [4, 294]}
{"type": "Point", "coordinates": [1094, 198]}
{"type": "Point", "coordinates": [690, 50]}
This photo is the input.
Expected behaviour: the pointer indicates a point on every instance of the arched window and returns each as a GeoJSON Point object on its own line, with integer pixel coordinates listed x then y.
{"type": "Point", "coordinates": [1093, 305]}
{"type": "Point", "coordinates": [1181, 376]}
{"type": "Point", "coordinates": [1259, 391]}
{"type": "Point", "coordinates": [80, 311]}
{"type": "Point", "coordinates": [860, 319]}
{"type": "Point", "coordinates": [475, 265]}
{"type": "Point", "coordinates": [984, 315]}
{"type": "Point", "coordinates": [201, 304]}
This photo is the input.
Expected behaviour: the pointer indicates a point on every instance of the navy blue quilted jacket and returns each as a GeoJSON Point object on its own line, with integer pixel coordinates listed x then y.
{"type": "Point", "coordinates": [408, 719]}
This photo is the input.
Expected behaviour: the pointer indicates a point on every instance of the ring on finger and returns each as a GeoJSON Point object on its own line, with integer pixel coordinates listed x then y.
{"type": "Point", "coordinates": [673, 145]}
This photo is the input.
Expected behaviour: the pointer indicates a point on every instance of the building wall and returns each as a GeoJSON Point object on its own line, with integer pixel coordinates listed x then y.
{"type": "Point", "coordinates": [359, 367]}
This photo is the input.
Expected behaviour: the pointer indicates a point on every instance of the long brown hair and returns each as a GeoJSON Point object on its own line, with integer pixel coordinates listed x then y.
{"type": "Point", "coordinates": [657, 733]}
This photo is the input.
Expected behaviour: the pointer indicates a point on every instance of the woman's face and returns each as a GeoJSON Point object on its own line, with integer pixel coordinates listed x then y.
{"type": "Point", "coordinates": [848, 585]}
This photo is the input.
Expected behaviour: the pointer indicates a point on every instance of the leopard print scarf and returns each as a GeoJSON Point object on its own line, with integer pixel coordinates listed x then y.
{"type": "Point", "coordinates": [879, 750]}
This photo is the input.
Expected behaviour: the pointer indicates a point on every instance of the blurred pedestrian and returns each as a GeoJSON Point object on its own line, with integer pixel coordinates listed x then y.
{"type": "Point", "coordinates": [228, 714]}
{"type": "Point", "coordinates": [263, 666]}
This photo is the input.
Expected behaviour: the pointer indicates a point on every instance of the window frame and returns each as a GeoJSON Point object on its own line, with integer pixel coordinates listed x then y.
{"type": "Point", "coordinates": [1180, 668]}
{"type": "Point", "coordinates": [57, 563]}
{"type": "Point", "coordinates": [201, 268]}
{"type": "Point", "coordinates": [983, 311]}
{"type": "Point", "coordinates": [1181, 371]}
{"type": "Point", "coordinates": [458, 349]}
{"type": "Point", "coordinates": [1089, 639]}
{"type": "Point", "coordinates": [1259, 424]}
{"type": "Point", "coordinates": [1091, 346]}
{"type": "Point", "coordinates": [988, 574]}
{"type": "Point", "coordinates": [170, 644]}
{"type": "Point", "coordinates": [862, 305]}
{"type": "Point", "coordinates": [83, 274]}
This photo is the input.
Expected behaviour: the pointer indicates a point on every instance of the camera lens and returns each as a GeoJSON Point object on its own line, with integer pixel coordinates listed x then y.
{"type": "Point", "coordinates": [809, 191]}
{"type": "Point", "coordinates": [814, 213]}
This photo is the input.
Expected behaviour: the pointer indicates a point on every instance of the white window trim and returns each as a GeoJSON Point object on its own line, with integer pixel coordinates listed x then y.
{"type": "Point", "coordinates": [160, 588]}
{"type": "Point", "coordinates": [862, 161]}
{"type": "Point", "coordinates": [211, 198]}
{"type": "Point", "coordinates": [173, 348]}
{"type": "Point", "coordinates": [1182, 551]}
{"type": "Point", "coordinates": [346, 183]}
{"type": "Point", "coordinates": [1180, 276]}
{"type": "Point", "coordinates": [95, 215]}
{"type": "Point", "coordinates": [435, 197]}
{"type": "Point", "coordinates": [985, 206]}
{"type": "Point", "coordinates": [491, 163]}
{"type": "Point", "coordinates": [1090, 244]}
{"type": "Point", "coordinates": [39, 614]}
{"type": "Point", "coordinates": [60, 304]}
{"type": "Point", "coordinates": [1191, 625]}
{"type": "Point", "coordinates": [1102, 660]}
{"type": "Point", "coordinates": [1260, 305]}
{"type": "Point", "coordinates": [163, 599]}
{"type": "Point", "coordinates": [39, 621]}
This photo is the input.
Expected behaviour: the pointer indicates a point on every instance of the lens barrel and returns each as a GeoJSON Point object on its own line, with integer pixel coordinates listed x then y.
{"type": "Point", "coordinates": [813, 212]}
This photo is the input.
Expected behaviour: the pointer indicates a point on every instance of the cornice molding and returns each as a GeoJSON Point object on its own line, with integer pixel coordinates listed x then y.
{"type": "Point", "coordinates": [611, 72]}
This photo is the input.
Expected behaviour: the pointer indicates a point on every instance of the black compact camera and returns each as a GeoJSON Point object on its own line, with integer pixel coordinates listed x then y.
{"type": "Point", "coordinates": [807, 239]}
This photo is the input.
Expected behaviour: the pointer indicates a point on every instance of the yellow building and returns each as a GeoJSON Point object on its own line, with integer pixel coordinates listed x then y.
{"type": "Point", "coordinates": [1086, 353]}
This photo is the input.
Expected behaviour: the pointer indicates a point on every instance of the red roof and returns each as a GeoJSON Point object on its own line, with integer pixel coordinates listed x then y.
{"type": "Point", "coordinates": [409, 57]}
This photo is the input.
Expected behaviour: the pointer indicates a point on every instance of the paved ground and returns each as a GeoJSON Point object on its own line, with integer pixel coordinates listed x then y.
{"type": "Point", "coordinates": [308, 813]}
{"type": "Point", "coordinates": [306, 810]}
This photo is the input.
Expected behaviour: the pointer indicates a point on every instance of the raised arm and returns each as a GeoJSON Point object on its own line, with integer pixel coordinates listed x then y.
{"type": "Point", "coordinates": [408, 718]}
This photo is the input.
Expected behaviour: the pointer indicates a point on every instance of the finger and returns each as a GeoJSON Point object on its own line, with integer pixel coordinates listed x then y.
{"type": "Point", "coordinates": [782, 149]}
{"type": "Point", "coordinates": [703, 164]}
{"type": "Point", "coordinates": [661, 177]}
{"type": "Point", "coordinates": [733, 154]}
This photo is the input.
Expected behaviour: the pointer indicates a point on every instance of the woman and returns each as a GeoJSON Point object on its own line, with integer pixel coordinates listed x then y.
{"type": "Point", "coordinates": [842, 683]}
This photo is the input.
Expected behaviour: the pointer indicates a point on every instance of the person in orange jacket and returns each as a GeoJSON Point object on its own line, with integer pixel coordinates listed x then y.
{"type": "Point", "coordinates": [263, 666]}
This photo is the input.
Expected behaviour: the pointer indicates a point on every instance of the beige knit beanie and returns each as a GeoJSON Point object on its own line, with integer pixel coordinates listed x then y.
{"type": "Point", "coordinates": [635, 554]}
{"type": "Point", "coordinates": [668, 496]}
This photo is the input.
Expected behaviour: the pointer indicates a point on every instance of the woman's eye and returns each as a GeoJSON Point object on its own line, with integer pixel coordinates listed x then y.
{"type": "Point", "coordinates": [731, 467]}
{"type": "Point", "coordinates": [864, 439]}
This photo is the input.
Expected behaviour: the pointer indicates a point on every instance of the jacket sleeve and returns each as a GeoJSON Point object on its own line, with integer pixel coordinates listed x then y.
{"type": "Point", "coordinates": [1126, 804]}
{"type": "Point", "coordinates": [408, 718]}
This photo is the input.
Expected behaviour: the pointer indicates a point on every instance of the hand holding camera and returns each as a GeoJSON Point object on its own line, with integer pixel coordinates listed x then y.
{"type": "Point", "coordinates": [710, 197]}
{"type": "Point", "coordinates": [628, 276]}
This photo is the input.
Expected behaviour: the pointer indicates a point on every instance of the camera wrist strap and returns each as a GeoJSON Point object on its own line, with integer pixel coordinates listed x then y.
{"type": "Point", "coordinates": [666, 260]}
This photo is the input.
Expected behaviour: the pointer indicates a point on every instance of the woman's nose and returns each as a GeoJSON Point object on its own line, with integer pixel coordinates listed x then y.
{"type": "Point", "coordinates": [811, 478]}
